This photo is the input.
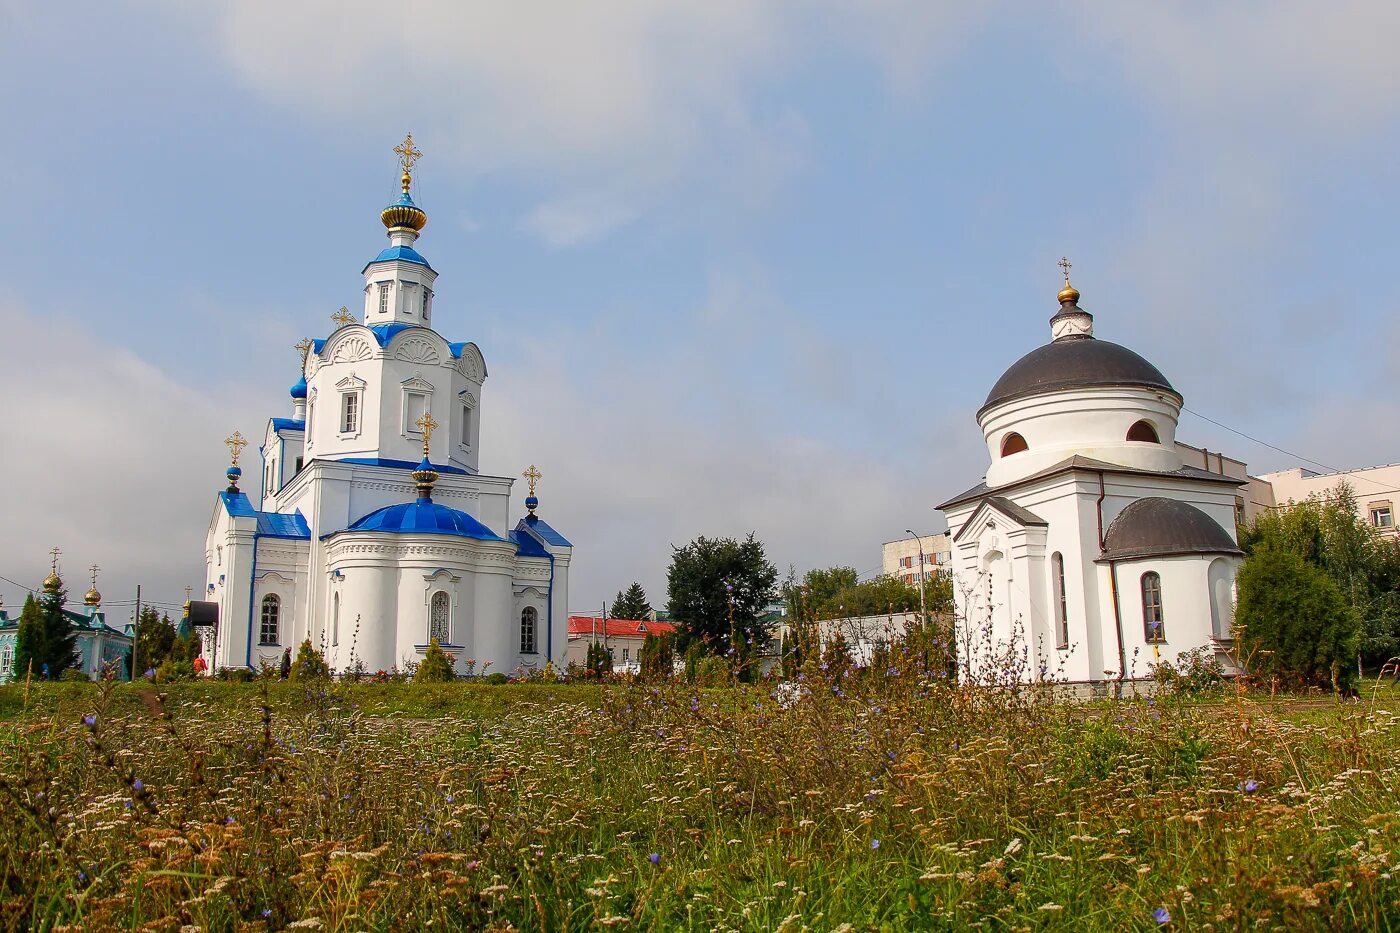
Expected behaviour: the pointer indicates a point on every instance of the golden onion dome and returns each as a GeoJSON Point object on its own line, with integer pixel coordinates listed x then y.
{"type": "Point", "coordinates": [1068, 294]}
{"type": "Point", "coordinates": [52, 583]}
{"type": "Point", "coordinates": [92, 597]}
{"type": "Point", "coordinates": [404, 213]}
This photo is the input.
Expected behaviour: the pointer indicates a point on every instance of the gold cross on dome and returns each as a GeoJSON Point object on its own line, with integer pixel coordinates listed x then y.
{"type": "Point", "coordinates": [188, 590]}
{"type": "Point", "coordinates": [343, 317]}
{"type": "Point", "coordinates": [532, 476]}
{"type": "Point", "coordinates": [93, 570]}
{"type": "Point", "coordinates": [53, 553]}
{"type": "Point", "coordinates": [1065, 265]}
{"type": "Point", "coordinates": [303, 346]}
{"type": "Point", "coordinates": [427, 425]}
{"type": "Point", "coordinates": [235, 443]}
{"type": "Point", "coordinates": [407, 154]}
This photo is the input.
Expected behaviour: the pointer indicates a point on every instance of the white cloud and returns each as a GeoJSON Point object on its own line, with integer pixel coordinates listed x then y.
{"type": "Point", "coordinates": [578, 219]}
{"type": "Point", "coordinates": [108, 458]}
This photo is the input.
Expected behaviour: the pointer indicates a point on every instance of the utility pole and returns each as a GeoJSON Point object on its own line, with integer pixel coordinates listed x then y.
{"type": "Point", "coordinates": [923, 610]}
{"type": "Point", "coordinates": [136, 636]}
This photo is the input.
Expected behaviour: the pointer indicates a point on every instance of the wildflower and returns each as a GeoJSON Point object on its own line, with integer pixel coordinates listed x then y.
{"type": "Point", "coordinates": [1162, 916]}
{"type": "Point", "coordinates": [266, 912]}
{"type": "Point", "coordinates": [89, 720]}
{"type": "Point", "coordinates": [1249, 786]}
{"type": "Point", "coordinates": [137, 786]}
{"type": "Point", "coordinates": [228, 821]}
{"type": "Point", "coordinates": [151, 673]}
{"type": "Point", "coordinates": [451, 799]}
{"type": "Point", "coordinates": [874, 843]}
{"type": "Point", "coordinates": [655, 858]}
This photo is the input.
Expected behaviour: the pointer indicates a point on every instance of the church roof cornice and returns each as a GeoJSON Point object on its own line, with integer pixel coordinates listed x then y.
{"type": "Point", "coordinates": [1088, 465]}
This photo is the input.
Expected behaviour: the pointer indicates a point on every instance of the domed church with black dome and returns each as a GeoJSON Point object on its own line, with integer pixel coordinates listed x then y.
{"type": "Point", "coordinates": [374, 532]}
{"type": "Point", "coordinates": [1090, 552]}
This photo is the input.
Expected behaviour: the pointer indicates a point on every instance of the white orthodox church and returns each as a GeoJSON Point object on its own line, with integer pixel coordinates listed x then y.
{"type": "Point", "coordinates": [1090, 552]}
{"type": "Point", "coordinates": [374, 530]}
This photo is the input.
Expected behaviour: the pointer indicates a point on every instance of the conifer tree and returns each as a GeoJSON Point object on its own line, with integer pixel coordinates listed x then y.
{"type": "Point", "coordinates": [436, 667]}
{"type": "Point", "coordinates": [45, 636]}
{"type": "Point", "coordinates": [632, 604]}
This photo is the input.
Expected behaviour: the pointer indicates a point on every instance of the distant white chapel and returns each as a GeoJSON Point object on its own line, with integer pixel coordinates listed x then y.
{"type": "Point", "coordinates": [375, 531]}
{"type": "Point", "coordinates": [1090, 552]}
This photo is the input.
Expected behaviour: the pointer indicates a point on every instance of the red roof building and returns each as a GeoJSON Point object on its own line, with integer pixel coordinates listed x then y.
{"type": "Point", "coordinates": [622, 637]}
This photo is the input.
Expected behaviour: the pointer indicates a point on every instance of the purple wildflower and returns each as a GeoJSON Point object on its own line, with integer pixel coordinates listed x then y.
{"type": "Point", "coordinates": [1249, 786]}
{"type": "Point", "coordinates": [655, 858]}
{"type": "Point", "coordinates": [874, 843]}
{"type": "Point", "coordinates": [1162, 916]}
{"type": "Point", "coordinates": [137, 786]}
{"type": "Point", "coordinates": [89, 720]}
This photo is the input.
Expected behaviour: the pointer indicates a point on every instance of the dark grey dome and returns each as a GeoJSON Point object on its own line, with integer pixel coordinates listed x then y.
{"type": "Point", "coordinates": [1075, 363]}
{"type": "Point", "coordinates": [1157, 527]}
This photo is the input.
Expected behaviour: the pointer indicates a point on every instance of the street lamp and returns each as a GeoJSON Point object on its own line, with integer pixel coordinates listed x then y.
{"type": "Point", "coordinates": [923, 611]}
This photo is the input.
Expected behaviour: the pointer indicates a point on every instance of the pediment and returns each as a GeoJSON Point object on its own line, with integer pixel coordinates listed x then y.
{"type": "Point", "coordinates": [998, 511]}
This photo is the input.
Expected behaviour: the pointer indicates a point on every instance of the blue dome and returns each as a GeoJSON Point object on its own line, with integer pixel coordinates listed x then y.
{"type": "Point", "coordinates": [424, 516]}
{"type": "Point", "coordinates": [299, 390]}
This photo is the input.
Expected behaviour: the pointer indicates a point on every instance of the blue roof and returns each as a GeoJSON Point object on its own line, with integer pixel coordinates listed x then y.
{"type": "Point", "coordinates": [396, 464]}
{"type": "Point", "coordinates": [288, 424]}
{"type": "Point", "coordinates": [540, 527]}
{"type": "Point", "coordinates": [399, 254]}
{"type": "Point", "coordinates": [270, 524]}
{"type": "Point", "coordinates": [383, 333]}
{"type": "Point", "coordinates": [299, 390]}
{"type": "Point", "coordinates": [527, 545]}
{"type": "Point", "coordinates": [423, 516]}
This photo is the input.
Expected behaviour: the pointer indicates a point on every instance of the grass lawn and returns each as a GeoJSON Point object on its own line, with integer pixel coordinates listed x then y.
{"type": "Point", "coordinates": [870, 803]}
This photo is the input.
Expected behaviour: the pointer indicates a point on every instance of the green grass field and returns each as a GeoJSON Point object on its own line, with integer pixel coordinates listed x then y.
{"type": "Point", "coordinates": [873, 803]}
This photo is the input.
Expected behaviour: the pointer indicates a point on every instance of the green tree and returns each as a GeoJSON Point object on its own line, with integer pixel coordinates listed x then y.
{"type": "Point", "coordinates": [155, 639]}
{"type": "Point", "coordinates": [1293, 622]}
{"type": "Point", "coordinates": [718, 588]}
{"type": "Point", "coordinates": [309, 663]}
{"type": "Point", "coordinates": [658, 656]}
{"type": "Point", "coordinates": [45, 636]}
{"type": "Point", "coordinates": [436, 667]}
{"type": "Point", "coordinates": [631, 604]}
{"type": "Point", "coordinates": [599, 659]}
{"type": "Point", "coordinates": [1326, 532]}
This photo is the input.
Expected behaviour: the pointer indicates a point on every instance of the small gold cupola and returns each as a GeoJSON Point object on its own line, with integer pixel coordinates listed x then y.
{"type": "Point", "coordinates": [92, 597]}
{"type": "Point", "coordinates": [1071, 322]}
{"type": "Point", "coordinates": [403, 212]}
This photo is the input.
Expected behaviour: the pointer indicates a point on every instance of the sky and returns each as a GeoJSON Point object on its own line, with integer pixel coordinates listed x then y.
{"type": "Point", "coordinates": [735, 265]}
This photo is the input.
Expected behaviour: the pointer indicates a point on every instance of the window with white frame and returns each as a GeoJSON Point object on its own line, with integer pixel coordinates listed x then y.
{"type": "Point", "coordinates": [1152, 619]}
{"type": "Point", "coordinates": [349, 412]}
{"type": "Point", "coordinates": [408, 301]}
{"type": "Point", "coordinates": [7, 659]}
{"type": "Point", "coordinates": [1057, 570]}
{"type": "Point", "coordinates": [384, 298]}
{"type": "Point", "coordinates": [529, 621]}
{"type": "Point", "coordinates": [424, 306]}
{"type": "Point", "coordinates": [466, 425]}
{"type": "Point", "coordinates": [335, 619]}
{"type": "Point", "coordinates": [414, 404]}
{"type": "Point", "coordinates": [271, 616]}
{"type": "Point", "coordinates": [1381, 515]}
{"type": "Point", "coordinates": [440, 618]}
{"type": "Point", "coordinates": [310, 418]}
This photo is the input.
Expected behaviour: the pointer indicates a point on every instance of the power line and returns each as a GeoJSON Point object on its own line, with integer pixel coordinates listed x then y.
{"type": "Point", "coordinates": [1295, 456]}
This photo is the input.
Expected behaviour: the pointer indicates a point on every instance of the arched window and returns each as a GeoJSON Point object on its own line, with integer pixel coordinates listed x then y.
{"type": "Point", "coordinates": [529, 619]}
{"type": "Point", "coordinates": [1057, 571]}
{"type": "Point", "coordinates": [271, 615]}
{"type": "Point", "coordinates": [1013, 443]}
{"type": "Point", "coordinates": [1152, 622]}
{"type": "Point", "coordinates": [1143, 431]}
{"type": "Point", "coordinates": [439, 618]}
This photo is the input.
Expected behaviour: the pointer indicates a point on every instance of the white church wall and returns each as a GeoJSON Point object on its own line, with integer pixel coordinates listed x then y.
{"type": "Point", "coordinates": [1186, 610]}
{"type": "Point", "coordinates": [1088, 422]}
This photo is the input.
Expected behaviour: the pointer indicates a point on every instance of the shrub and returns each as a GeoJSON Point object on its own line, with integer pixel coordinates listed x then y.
{"type": "Point", "coordinates": [73, 674]}
{"type": "Point", "coordinates": [711, 672]}
{"type": "Point", "coordinates": [1293, 623]}
{"type": "Point", "coordinates": [172, 669]}
{"type": "Point", "coordinates": [309, 664]}
{"type": "Point", "coordinates": [1195, 671]}
{"type": "Point", "coordinates": [237, 675]}
{"type": "Point", "coordinates": [436, 667]}
{"type": "Point", "coordinates": [497, 677]}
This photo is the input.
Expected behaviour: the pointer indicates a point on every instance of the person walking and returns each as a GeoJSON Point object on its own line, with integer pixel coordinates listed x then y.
{"type": "Point", "coordinates": [286, 663]}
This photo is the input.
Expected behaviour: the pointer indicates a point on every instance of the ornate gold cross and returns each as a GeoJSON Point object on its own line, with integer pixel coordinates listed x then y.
{"type": "Point", "coordinates": [54, 552]}
{"type": "Point", "coordinates": [303, 346]}
{"type": "Point", "coordinates": [1064, 265]}
{"type": "Point", "coordinates": [235, 443]}
{"type": "Point", "coordinates": [427, 425]}
{"type": "Point", "coordinates": [407, 156]}
{"type": "Point", "coordinates": [93, 570]}
{"type": "Point", "coordinates": [188, 590]}
{"type": "Point", "coordinates": [343, 317]}
{"type": "Point", "coordinates": [532, 476]}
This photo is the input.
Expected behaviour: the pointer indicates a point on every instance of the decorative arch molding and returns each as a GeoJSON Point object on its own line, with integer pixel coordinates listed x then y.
{"type": "Point", "coordinates": [279, 577]}
{"type": "Point", "coordinates": [1145, 432]}
{"type": "Point", "coordinates": [350, 382]}
{"type": "Point", "coordinates": [417, 349]}
{"type": "Point", "coordinates": [467, 398]}
{"type": "Point", "coordinates": [471, 363]}
{"type": "Point", "coordinates": [528, 591]}
{"type": "Point", "coordinates": [442, 575]}
{"type": "Point", "coordinates": [352, 348]}
{"type": "Point", "coordinates": [417, 383]}
{"type": "Point", "coordinates": [1013, 443]}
